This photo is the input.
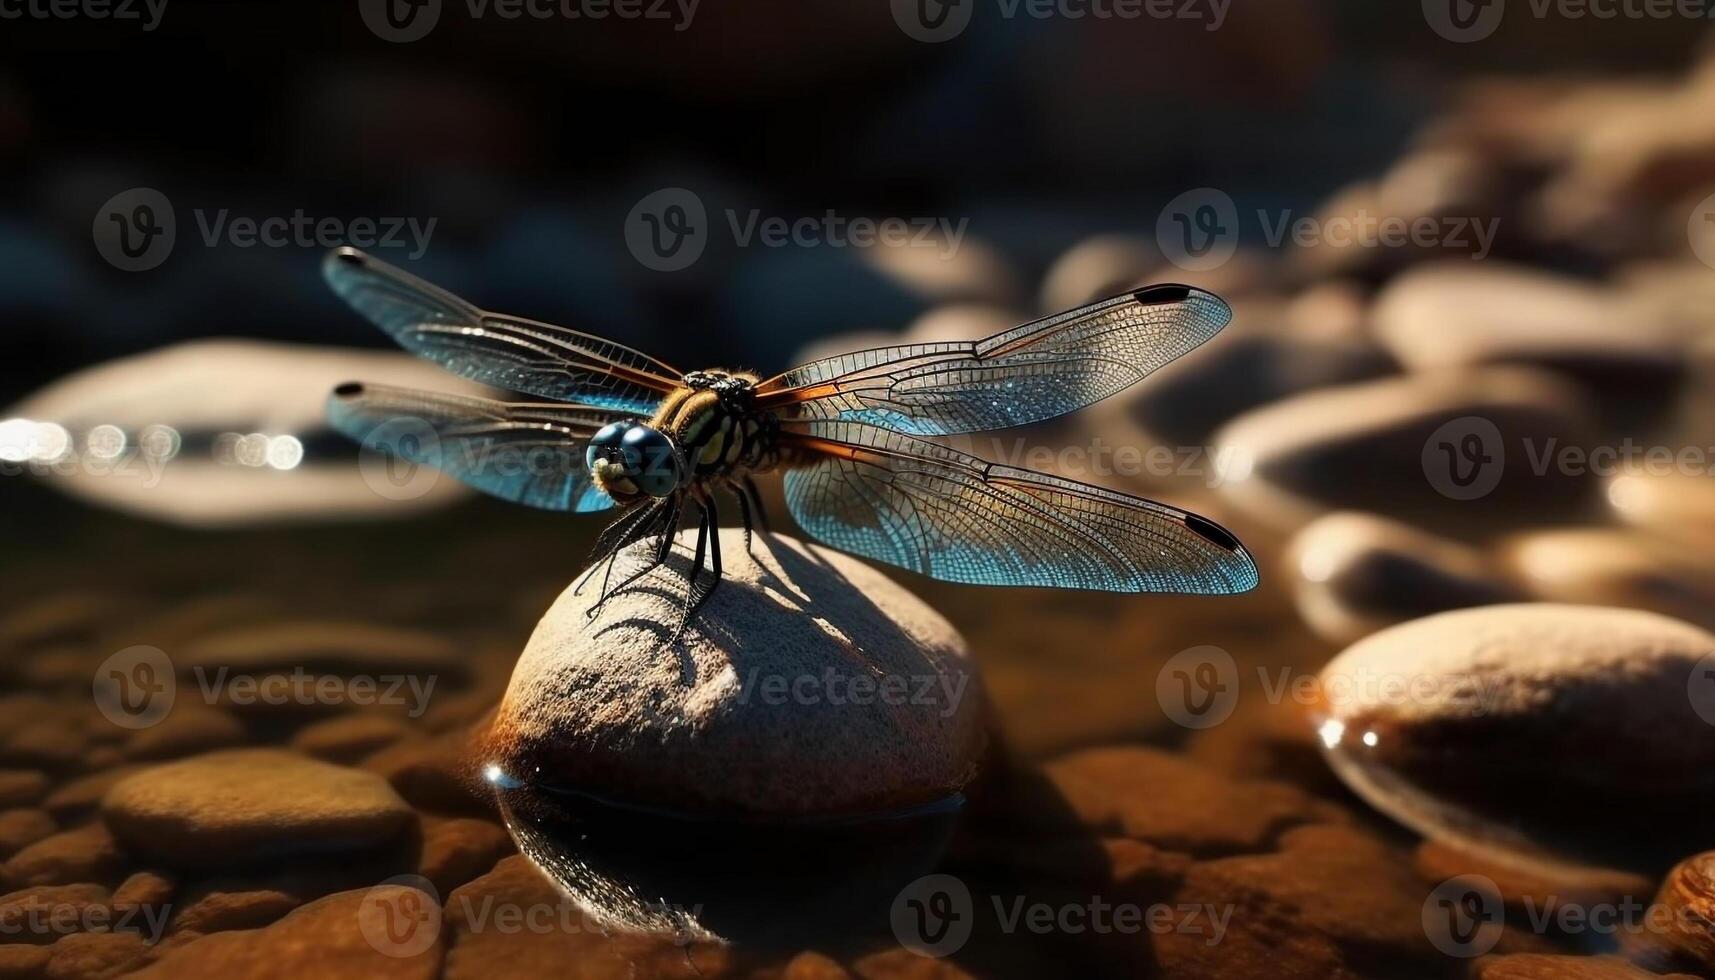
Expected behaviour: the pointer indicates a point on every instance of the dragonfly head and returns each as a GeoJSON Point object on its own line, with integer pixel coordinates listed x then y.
{"type": "Point", "coordinates": [630, 460]}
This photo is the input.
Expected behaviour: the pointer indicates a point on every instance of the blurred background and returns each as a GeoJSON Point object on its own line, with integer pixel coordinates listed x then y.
{"type": "Point", "coordinates": [1446, 229]}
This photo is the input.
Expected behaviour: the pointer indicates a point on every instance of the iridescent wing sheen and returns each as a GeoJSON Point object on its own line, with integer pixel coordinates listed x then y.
{"type": "Point", "coordinates": [528, 453]}
{"type": "Point", "coordinates": [1033, 372]}
{"type": "Point", "coordinates": [936, 511]}
{"type": "Point", "coordinates": [535, 358]}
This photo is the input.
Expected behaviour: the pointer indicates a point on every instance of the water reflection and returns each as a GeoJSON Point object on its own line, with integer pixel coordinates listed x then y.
{"type": "Point", "coordinates": [788, 882]}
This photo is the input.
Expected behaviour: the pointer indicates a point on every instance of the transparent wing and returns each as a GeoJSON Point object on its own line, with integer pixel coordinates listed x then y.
{"type": "Point", "coordinates": [933, 510]}
{"type": "Point", "coordinates": [536, 358]}
{"type": "Point", "coordinates": [1033, 372]}
{"type": "Point", "coordinates": [529, 453]}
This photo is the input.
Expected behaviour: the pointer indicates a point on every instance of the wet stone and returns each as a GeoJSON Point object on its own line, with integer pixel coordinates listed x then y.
{"type": "Point", "coordinates": [1540, 735]}
{"type": "Point", "coordinates": [1355, 573]}
{"type": "Point", "coordinates": [1448, 449]}
{"type": "Point", "coordinates": [227, 807]}
{"type": "Point", "coordinates": [809, 683]}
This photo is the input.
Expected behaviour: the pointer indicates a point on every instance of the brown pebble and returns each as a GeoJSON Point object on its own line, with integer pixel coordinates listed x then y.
{"type": "Point", "coordinates": [1546, 966]}
{"type": "Point", "coordinates": [517, 888]}
{"type": "Point", "coordinates": [435, 773]}
{"type": "Point", "coordinates": [1174, 803]}
{"type": "Point", "coordinates": [348, 738]}
{"type": "Point", "coordinates": [333, 938]}
{"type": "Point", "coordinates": [82, 795]}
{"type": "Point", "coordinates": [1533, 891]}
{"type": "Point", "coordinates": [231, 806]}
{"type": "Point", "coordinates": [62, 617]}
{"type": "Point", "coordinates": [55, 745]}
{"type": "Point", "coordinates": [813, 966]}
{"type": "Point", "coordinates": [190, 728]}
{"type": "Point", "coordinates": [22, 827]}
{"type": "Point", "coordinates": [1685, 910]}
{"type": "Point", "coordinates": [88, 853]}
{"type": "Point", "coordinates": [145, 888]}
{"type": "Point", "coordinates": [219, 910]}
{"type": "Point", "coordinates": [97, 955]}
{"type": "Point", "coordinates": [21, 787]}
{"type": "Point", "coordinates": [22, 961]}
{"type": "Point", "coordinates": [1615, 567]}
{"type": "Point", "coordinates": [455, 851]}
{"type": "Point", "coordinates": [42, 914]}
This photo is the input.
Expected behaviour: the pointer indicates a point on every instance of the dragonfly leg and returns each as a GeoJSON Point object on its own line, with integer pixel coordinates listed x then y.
{"type": "Point", "coordinates": [615, 537]}
{"type": "Point", "coordinates": [708, 541]}
{"type": "Point", "coordinates": [749, 486]}
{"type": "Point", "coordinates": [669, 530]}
{"type": "Point", "coordinates": [744, 514]}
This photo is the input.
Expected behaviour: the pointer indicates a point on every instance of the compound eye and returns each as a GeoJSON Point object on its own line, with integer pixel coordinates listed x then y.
{"type": "Point", "coordinates": [656, 468]}
{"type": "Point", "coordinates": [608, 443]}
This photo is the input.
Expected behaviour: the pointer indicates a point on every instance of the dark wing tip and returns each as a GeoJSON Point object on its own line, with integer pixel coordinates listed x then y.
{"type": "Point", "coordinates": [1212, 532]}
{"type": "Point", "coordinates": [347, 255]}
{"type": "Point", "coordinates": [1170, 292]}
{"type": "Point", "coordinates": [351, 389]}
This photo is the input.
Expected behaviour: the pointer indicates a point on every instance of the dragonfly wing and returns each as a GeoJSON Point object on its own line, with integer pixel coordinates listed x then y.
{"type": "Point", "coordinates": [536, 358]}
{"type": "Point", "coordinates": [528, 453]}
{"type": "Point", "coordinates": [954, 517]}
{"type": "Point", "coordinates": [1027, 374]}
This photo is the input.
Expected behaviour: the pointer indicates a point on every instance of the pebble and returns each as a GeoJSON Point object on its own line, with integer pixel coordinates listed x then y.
{"type": "Point", "coordinates": [1378, 446]}
{"type": "Point", "coordinates": [1538, 734]}
{"type": "Point", "coordinates": [348, 738]}
{"type": "Point", "coordinates": [144, 890]}
{"type": "Point", "coordinates": [1461, 315]}
{"type": "Point", "coordinates": [21, 915]}
{"type": "Point", "coordinates": [1355, 573]}
{"type": "Point", "coordinates": [97, 955]}
{"type": "Point", "coordinates": [75, 799]}
{"type": "Point", "coordinates": [479, 949]}
{"type": "Point", "coordinates": [1678, 506]}
{"type": "Point", "coordinates": [740, 715]}
{"type": "Point", "coordinates": [1169, 802]}
{"type": "Point", "coordinates": [219, 909]}
{"type": "Point", "coordinates": [333, 938]}
{"type": "Point", "coordinates": [191, 727]}
{"type": "Point", "coordinates": [1548, 966]}
{"type": "Point", "coordinates": [1617, 567]}
{"type": "Point", "coordinates": [1685, 911]}
{"type": "Point", "coordinates": [457, 850]}
{"type": "Point", "coordinates": [22, 787]}
{"type": "Point", "coordinates": [88, 853]}
{"type": "Point", "coordinates": [20, 828]}
{"type": "Point", "coordinates": [1105, 265]}
{"type": "Point", "coordinates": [1241, 370]}
{"type": "Point", "coordinates": [60, 618]}
{"type": "Point", "coordinates": [1534, 892]}
{"type": "Point", "coordinates": [19, 961]}
{"type": "Point", "coordinates": [322, 646]}
{"type": "Point", "coordinates": [226, 807]}
{"type": "Point", "coordinates": [436, 773]}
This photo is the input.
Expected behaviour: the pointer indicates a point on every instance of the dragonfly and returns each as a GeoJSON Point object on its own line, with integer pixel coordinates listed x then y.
{"type": "Point", "coordinates": [853, 435]}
